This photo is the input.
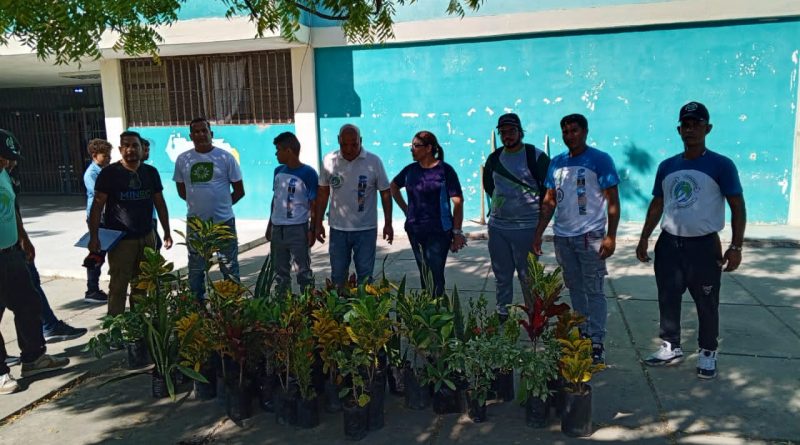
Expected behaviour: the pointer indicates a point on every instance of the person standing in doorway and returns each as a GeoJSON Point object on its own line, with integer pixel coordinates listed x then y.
{"type": "Point", "coordinates": [432, 225]}
{"type": "Point", "coordinates": [513, 177]}
{"type": "Point", "coordinates": [126, 193]}
{"type": "Point", "coordinates": [210, 181]}
{"type": "Point", "coordinates": [100, 151]}
{"type": "Point", "coordinates": [582, 192]}
{"type": "Point", "coordinates": [353, 177]}
{"type": "Point", "coordinates": [690, 191]}
{"type": "Point", "coordinates": [290, 231]}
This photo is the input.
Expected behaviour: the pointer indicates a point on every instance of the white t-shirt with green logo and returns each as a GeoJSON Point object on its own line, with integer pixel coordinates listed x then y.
{"type": "Point", "coordinates": [354, 189]}
{"type": "Point", "coordinates": [208, 178]}
{"type": "Point", "coordinates": [8, 213]}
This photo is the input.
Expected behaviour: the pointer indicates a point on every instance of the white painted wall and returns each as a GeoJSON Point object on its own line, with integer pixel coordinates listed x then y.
{"type": "Point", "coordinates": [113, 102]}
{"type": "Point", "coordinates": [305, 105]}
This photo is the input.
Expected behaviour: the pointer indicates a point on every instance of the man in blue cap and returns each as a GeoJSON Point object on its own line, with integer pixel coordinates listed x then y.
{"type": "Point", "coordinates": [690, 190]}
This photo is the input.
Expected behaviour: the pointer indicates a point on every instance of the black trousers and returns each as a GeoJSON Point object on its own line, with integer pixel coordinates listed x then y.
{"type": "Point", "coordinates": [18, 295]}
{"type": "Point", "coordinates": [691, 263]}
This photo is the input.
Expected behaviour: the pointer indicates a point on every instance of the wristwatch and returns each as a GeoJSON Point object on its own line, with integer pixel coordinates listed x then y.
{"type": "Point", "coordinates": [458, 232]}
{"type": "Point", "coordinates": [734, 247]}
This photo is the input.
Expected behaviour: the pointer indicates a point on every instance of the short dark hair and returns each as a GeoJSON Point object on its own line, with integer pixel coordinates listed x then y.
{"type": "Point", "coordinates": [575, 119]}
{"type": "Point", "coordinates": [145, 142]}
{"type": "Point", "coordinates": [97, 146]}
{"type": "Point", "coordinates": [198, 120]}
{"type": "Point", "coordinates": [131, 134]}
{"type": "Point", "coordinates": [289, 140]}
{"type": "Point", "coordinates": [429, 138]}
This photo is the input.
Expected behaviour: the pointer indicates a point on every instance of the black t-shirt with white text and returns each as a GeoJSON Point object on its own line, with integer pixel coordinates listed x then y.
{"type": "Point", "coordinates": [129, 206]}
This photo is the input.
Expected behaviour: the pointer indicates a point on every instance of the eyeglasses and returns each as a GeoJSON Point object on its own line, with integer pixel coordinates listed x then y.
{"type": "Point", "coordinates": [419, 145]}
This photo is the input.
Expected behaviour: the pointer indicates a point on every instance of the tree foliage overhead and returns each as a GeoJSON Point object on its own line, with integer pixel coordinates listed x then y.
{"type": "Point", "coordinates": [69, 30]}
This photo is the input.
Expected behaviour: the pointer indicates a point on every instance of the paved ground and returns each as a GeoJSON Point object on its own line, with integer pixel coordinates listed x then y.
{"type": "Point", "coordinates": [756, 398]}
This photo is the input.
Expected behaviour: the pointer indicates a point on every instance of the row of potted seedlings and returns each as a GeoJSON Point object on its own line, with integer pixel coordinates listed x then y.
{"type": "Point", "coordinates": [338, 348]}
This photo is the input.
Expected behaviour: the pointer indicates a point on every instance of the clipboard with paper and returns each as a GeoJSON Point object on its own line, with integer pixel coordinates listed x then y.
{"type": "Point", "coordinates": [108, 239]}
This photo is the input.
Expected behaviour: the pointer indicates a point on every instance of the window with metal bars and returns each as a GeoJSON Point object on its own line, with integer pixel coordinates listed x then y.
{"type": "Point", "coordinates": [240, 88]}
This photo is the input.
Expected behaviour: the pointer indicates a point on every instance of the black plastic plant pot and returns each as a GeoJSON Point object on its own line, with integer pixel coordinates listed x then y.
{"type": "Point", "coordinates": [159, 386]}
{"type": "Point", "coordinates": [417, 396]}
{"type": "Point", "coordinates": [318, 377]}
{"type": "Point", "coordinates": [266, 392]}
{"type": "Point", "coordinates": [448, 401]}
{"type": "Point", "coordinates": [394, 377]}
{"type": "Point", "coordinates": [536, 412]}
{"type": "Point", "coordinates": [576, 420]}
{"type": "Point", "coordinates": [355, 421]}
{"type": "Point", "coordinates": [477, 411]}
{"type": "Point", "coordinates": [239, 403]}
{"type": "Point", "coordinates": [138, 357]}
{"type": "Point", "coordinates": [285, 407]}
{"type": "Point", "coordinates": [307, 412]}
{"type": "Point", "coordinates": [377, 397]}
{"type": "Point", "coordinates": [556, 397]}
{"type": "Point", "coordinates": [332, 402]}
{"type": "Point", "coordinates": [503, 385]}
{"type": "Point", "coordinates": [206, 391]}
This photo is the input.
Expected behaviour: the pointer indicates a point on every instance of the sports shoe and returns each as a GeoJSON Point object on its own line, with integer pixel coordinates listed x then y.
{"type": "Point", "coordinates": [12, 360]}
{"type": "Point", "coordinates": [665, 356]}
{"type": "Point", "coordinates": [707, 364]}
{"type": "Point", "coordinates": [598, 354]}
{"type": "Point", "coordinates": [8, 384]}
{"type": "Point", "coordinates": [63, 332]}
{"type": "Point", "coordinates": [96, 297]}
{"type": "Point", "coordinates": [45, 363]}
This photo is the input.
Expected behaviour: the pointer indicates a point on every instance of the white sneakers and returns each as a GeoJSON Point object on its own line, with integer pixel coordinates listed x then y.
{"type": "Point", "coordinates": [706, 364]}
{"type": "Point", "coordinates": [665, 356]}
{"type": "Point", "coordinates": [8, 384]}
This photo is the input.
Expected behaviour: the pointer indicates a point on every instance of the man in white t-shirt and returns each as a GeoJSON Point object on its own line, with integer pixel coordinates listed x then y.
{"type": "Point", "coordinates": [352, 177]}
{"type": "Point", "coordinates": [205, 177]}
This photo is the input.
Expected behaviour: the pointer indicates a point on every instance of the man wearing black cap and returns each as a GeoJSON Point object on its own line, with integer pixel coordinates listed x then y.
{"type": "Point", "coordinates": [513, 178]}
{"type": "Point", "coordinates": [690, 190]}
{"type": "Point", "coordinates": [16, 288]}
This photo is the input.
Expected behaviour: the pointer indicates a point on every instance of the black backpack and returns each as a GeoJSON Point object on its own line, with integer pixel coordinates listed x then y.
{"type": "Point", "coordinates": [538, 163]}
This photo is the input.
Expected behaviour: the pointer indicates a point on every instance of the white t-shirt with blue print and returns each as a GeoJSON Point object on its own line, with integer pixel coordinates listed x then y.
{"type": "Point", "coordinates": [293, 189]}
{"type": "Point", "coordinates": [579, 183]}
{"type": "Point", "coordinates": [694, 193]}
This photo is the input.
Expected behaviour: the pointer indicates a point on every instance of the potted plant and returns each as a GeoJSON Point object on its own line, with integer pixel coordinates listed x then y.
{"type": "Point", "coordinates": [331, 336]}
{"type": "Point", "coordinates": [370, 328]}
{"type": "Point", "coordinates": [160, 319]}
{"type": "Point", "coordinates": [576, 368]}
{"type": "Point", "coordinates": [302, 362]}
{"type": "Point", "coordinates": [539, 364]}
{"type": "Point", "coordinates": [508, 356]}
{"type": "Point", "coordinates": [284, 338]}
{"type": "Point", "coordinates": [123, 329]}
{"type": "Point", "coordinates": [476, 359]}
{"type": "Point", "coordinates": [196, 345]}
{"type": "Point", "coordinates": [356, 398]}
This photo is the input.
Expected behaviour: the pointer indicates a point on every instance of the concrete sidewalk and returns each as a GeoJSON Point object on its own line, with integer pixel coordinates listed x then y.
{"type": "Point", "coordinates": [755, 399]}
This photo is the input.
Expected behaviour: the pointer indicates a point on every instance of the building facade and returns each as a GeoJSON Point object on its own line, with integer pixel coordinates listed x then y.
{"type": "Point", "coordinates": [627, 65]}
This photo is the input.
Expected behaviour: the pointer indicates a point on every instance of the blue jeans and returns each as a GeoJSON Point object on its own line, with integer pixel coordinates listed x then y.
{"type": "Point", "coordinates": [508, 250]}
{"type": "Point", "coordinates": [358, 245]}
{"type": "Point", "coordinates": [579, 258]}
{"type": "Point", "coordinates": [49, 320]}
{"type": "Point", "coordinates": [290, 245]}
{"type": "Point", "coordinates": [430, 251]}
{"type": "Point", "coordinates": [228, 262]}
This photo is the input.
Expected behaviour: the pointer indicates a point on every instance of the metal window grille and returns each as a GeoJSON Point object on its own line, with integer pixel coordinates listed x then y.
{"type": "Point", "coordinates": [242, 88]}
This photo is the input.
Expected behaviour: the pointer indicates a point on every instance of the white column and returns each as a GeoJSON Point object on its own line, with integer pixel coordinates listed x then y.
{"type": "Point", "coordinates": [794, 191]}
{"type": "Point", "coordinates": [305, 105]}
{"type": "Point", "coordinates": [113, 102]}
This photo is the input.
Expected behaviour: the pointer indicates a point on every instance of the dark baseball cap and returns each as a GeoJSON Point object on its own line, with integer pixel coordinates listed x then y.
{"type": "Point", "coordinates": [9, 146]}
{"type": "Point", "coordinates": [509, 119]}
{"type": "Point", "coordinates": [694, 110]}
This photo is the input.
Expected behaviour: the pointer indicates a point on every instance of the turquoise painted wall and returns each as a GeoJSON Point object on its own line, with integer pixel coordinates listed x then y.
{"type": "Point", "coordinates": [437, 9]}
{"type": "Point", "coordinates": [205, 9]}
{"type": "Point", "coordinates": [251, 144]}
{"type": "Point", "coordinates": [630, 86]}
